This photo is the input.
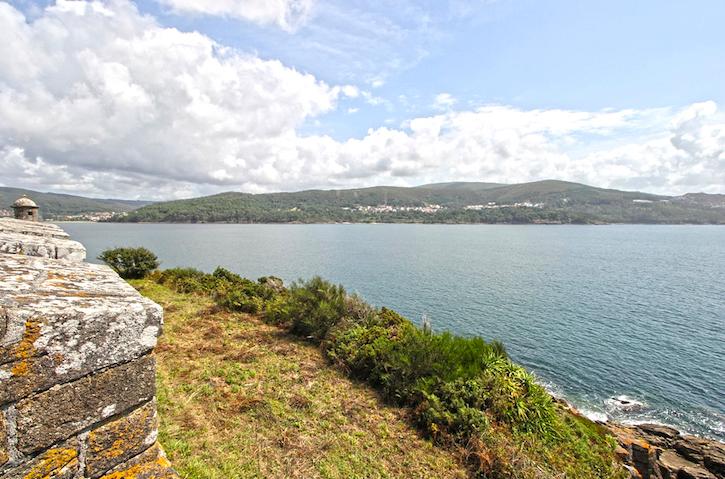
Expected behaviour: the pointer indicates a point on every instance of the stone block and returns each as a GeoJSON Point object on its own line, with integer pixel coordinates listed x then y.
{"type": "Point", "coordinates": [60, 462]}
{"type": "Point", "coordinates": [120, 440]}
{"type": "Point", "coordinates": [32, 228]}
{"type": "Point", "coordinates": [60, 321]}
{"type": "Point", "coordinates": [151, 464]}
{"type": "Point", "coordinates": [38, 239]}
{"type": "Point", "coordinates": [53, 248]}
{"type": "Point", "coordinates": [66, 409]}
{"type": "Point", "coordinates": [4, 453]}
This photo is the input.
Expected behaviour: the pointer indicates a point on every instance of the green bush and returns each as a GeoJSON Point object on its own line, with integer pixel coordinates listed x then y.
{"type": "Point", "coordinates": [188, 280]}
{"type": "Point", "coordinates": [130, 263]}
{"type": "Point", "coordinates": [311, 308]}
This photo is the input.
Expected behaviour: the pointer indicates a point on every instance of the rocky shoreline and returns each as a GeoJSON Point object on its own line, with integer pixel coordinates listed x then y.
{"type": "Point", "coordinates": [654, 451]}
{"type": "Point", "coordinates": [662, 452]}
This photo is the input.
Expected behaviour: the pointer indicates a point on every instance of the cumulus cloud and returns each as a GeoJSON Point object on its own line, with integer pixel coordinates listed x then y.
{"type": "Point", "coordinates": [98, 99]}
{"type": "Point", "coordinates": [286, 14]}
{"type": "Point", "coordinates": [444, 101]}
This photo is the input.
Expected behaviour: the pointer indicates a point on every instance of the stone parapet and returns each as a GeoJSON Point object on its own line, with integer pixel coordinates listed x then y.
{"type": "Point", "coordinates": [77, 370]}
{"type": "Point", "coordinates": [45, 240]}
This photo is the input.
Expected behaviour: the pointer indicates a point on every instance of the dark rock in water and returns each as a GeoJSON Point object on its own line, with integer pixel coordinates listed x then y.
{"type": "Point", "coordinates": [624, 403]}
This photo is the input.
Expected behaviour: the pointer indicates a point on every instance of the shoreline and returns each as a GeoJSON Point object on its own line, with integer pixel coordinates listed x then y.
{"type": "Point", "coordinates": [293, 223]}
{"type": "Point", "coordinates": [652, 450]}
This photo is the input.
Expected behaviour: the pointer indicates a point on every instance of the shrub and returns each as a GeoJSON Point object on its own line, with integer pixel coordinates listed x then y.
{"type": "Point", "coordinates": [130, 263]}
{"type": "Point", "coordinates": [311, 308]}
{"type": "Point", "coordinates": [188, 280]}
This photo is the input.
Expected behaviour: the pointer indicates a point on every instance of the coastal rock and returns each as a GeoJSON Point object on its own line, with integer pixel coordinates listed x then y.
{"type": "Point", "coordinates": [715, 459]}
{"type": "Point", "coordinates": [644, 459]}
{"type": "Point", "coordinates": [657, 451]}
{"type": "Point", "coordinates": [670, 463]}
{"type": "Point", "coordinates": [694, 473]}
{"type": "Point", "coordinates": [691, 447]}
{"type": "Point", "coordinates": [661, 436]}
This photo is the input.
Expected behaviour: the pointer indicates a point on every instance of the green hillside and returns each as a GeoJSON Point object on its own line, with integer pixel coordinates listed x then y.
{"type": "Point", "coordinates": [54, 205]}
{"type": "Point", "coordinates": [548, 201]}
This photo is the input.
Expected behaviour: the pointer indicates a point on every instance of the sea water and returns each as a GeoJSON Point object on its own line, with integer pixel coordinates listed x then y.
{"type": "Point", "coordinates": [625, 321]}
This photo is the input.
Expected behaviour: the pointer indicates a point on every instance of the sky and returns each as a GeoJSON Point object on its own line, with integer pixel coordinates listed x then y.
{"type": "Point", "coordinates": [165, 99]}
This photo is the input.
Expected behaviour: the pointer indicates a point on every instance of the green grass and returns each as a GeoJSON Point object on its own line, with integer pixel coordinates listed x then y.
{"type": "Point", "coordinates": [464, 394]}
{"type": "Point", "coordinates": [242, 399]}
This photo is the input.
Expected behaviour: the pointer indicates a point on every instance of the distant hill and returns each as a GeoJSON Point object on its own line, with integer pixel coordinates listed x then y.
{"type": "Point", "coordinates": [548, 201]}
{"type": "Point", "coordinates": [55, 205]}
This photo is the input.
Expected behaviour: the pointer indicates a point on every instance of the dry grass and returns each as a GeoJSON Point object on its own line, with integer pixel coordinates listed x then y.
{"type": "Point", "coordinates": [241, 399]}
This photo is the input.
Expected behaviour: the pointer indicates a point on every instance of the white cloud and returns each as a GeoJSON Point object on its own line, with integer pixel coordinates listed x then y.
{"type": "Point", "coordinates": [286, 14]}
{"type": "Point", "coordinates": [444, 101]}
{"type": "Point", "coordinates": [98, 99]}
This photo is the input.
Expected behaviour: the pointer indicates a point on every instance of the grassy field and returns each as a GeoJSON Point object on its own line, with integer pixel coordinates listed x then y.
{"type": "Point", "coordinates": [242, 399]}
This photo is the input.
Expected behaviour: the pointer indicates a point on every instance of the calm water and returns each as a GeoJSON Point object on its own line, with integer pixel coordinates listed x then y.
{"type": "Point", "coordinates": [595, 311]}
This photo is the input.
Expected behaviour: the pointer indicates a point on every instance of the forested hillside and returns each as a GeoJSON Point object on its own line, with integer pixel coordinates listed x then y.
{"type": "Point", "coordinates": [54, 205]}
{"type": "Point", "coordinates": [538, 202]}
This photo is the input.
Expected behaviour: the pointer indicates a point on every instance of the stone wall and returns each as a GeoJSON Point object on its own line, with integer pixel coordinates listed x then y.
{"type": "Point", "coordinates": [77, 370]}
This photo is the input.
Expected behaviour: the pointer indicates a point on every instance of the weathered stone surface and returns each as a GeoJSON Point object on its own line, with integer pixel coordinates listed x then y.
{"type": "Point", "coordinates": [644, 459]}
{"type": "Point", "coordinates": [77, 379]}
{"type": "Point", "coordinates": [121, 439]}
{"type": "Point", "coordinates": [63, 320]}
{"type": "Point", "coordinates": [58, 413]}
{"type": "Point", "coordinates": [694, 473]}
{"type": "Point", "coordinates": [715, 459]}
{"type": "Point", "coordinates": [663, 452]}
{"type": "Point", "coordinates": [659, 435]}
{"type": "Point", "coordinates": [691, 447]}
{"type": "Point", "coordinates": [670, 464]}
{"type": "Point", "coordinates": [151, 464]}
{"type": "Point", "coordinates": [54, 248]}
{"type": "Point", "coordinates": [38, 239]}
{"type": "Point", "coordinates": [59, 462]}
{"type": "Point", "coordinates": [33, 228]}
{"type": "Point", "coordinates": [4, 455]}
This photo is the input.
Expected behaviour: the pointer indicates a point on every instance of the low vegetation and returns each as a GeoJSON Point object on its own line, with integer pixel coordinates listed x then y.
{"type": "Point", "coordinates": [130, 263]}
{"type": "Point", "coordinates": [465, 394]}
{"type": "Point", "coordinates": [241, 399]}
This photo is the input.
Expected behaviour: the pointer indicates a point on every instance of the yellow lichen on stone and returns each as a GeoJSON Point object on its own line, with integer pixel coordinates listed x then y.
{"type": "Point", "coordinates": [3, 441]}
{"type": "Point", "coordinates": [52, 461]}
{"type": "Point", "coordinates": [122, 435]}
{"type": "Point", "coordinates": [25, 348]}
{"type": "Point", "coordinates": [158, 469]}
